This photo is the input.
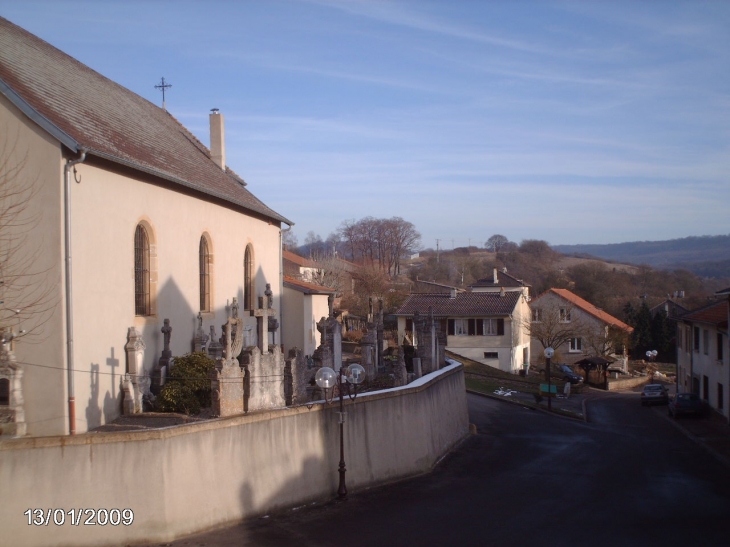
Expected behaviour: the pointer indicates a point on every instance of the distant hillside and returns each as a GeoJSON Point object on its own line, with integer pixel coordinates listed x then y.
{"type": "Point", "coordinates": [707, 256]}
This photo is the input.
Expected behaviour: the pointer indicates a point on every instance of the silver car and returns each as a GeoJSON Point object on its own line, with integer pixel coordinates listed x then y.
{"type": "Point", "coordinates": [654, 394]}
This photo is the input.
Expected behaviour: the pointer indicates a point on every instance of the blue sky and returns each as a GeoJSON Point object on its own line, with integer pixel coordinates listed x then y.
{"type": "Point", "coordinates": [573, 122]}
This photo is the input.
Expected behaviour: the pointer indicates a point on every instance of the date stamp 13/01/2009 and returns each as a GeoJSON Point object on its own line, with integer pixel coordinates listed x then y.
{"type": "Point", "coordinates": [79, 517]}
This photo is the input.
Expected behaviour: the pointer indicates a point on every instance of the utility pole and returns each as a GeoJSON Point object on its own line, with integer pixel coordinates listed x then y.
{"type": "Point", "coordinates": [438, 260]}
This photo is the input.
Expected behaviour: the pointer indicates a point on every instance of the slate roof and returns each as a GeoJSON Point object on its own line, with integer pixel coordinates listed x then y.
{"type": "Point", "coordinates": [465, 304]}
{"type": "Point", "coordinates": [586, 307]}
{"type": "Point", "coordinates": [83, 109]}
{"type": "Point", "coordinates": [503, 280]}
{"type": "Point", "coordinates": [305, 287]}
{"type": "Point", "coordinates": [715, 314]}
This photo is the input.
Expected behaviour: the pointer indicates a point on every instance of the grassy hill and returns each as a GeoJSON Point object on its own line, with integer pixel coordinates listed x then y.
{"type": "Point", "coordinates": [707, 256]}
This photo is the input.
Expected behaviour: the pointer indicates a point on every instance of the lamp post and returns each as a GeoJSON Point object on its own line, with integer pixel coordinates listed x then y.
{"type": "Point", "coordinates": [327, 378]}
{"type": "Point", "coordinates": [549, 352]}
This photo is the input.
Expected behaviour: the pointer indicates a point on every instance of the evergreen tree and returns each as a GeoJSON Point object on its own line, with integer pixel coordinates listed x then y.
{"type": "Point", "coordinates": [641, 338]}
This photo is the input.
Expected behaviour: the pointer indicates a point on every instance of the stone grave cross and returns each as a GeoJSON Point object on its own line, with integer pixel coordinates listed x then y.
{"type": "Point", "coordinates": [262, 316]}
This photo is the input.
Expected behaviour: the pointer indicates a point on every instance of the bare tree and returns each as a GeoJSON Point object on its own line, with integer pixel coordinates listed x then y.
{"type": "Point", "coordinates": [496, 242]}
{"type": "Point", "coordinates": [289, 240]}
{"type": "Point", "coordinates": [553, 324]}
{"type": "Point", "coordinates": [331, 272]}
{"type": "Point", "coordinates": [27, 296]}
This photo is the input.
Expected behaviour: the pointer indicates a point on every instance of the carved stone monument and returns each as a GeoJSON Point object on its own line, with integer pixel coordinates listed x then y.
{"type": "Point", "coordinates": [263, 314]}
{"type": "Point", "coordinates": [200, 341]}
{"type": "Point", "coordinates": [134, 386]}
{"type": "Point", "coordinates": [159, 373]}
{"type": "Point", "coordinates": [215, 350]}
{"type": "Point", "coordinates": [12, 413]}
{"type": "Point", "coordinates": [431, 347]}
{"type": "Point", "coordinates": [399, 370]}
{"type": "Point", "coordinates": [227, 380]}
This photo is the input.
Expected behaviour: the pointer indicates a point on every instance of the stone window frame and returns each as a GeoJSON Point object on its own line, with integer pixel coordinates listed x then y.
{"type": "Point", "coordinates": [145, 282]}
{"type": "Point", "coordinates": [249, 278]}
{"type": "Point", "coordinates": [205, 271]}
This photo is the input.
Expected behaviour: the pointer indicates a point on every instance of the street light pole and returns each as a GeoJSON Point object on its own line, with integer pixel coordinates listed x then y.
{"type": "Point", "coordinates": [549, 352]}
{"type": "Point", "coordinates": [327, 378]}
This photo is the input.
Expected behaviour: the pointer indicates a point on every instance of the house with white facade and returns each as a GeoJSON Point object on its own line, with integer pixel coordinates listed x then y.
{"type": "Point", "coordinates": [304, 304]}
{"type": "Point", "coordinates": [487, 327]}
{"type": "Point", "coordinates": [703, 363]}
{"type": "Point", "coordinates": [130, 221]}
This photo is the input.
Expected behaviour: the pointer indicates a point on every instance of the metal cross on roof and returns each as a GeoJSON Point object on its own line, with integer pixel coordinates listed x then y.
{"type": "Point", "coordinates": [163, 86]}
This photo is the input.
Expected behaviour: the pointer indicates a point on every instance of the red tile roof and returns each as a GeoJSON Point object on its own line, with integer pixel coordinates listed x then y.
{"type": "Point", "coordinates": [298, 260]}
{"type": "Point", "coordinates": [83, 109]}
{"type": "Point", "coordinates": [305, 287]}
{"type": "Point", "coordinates": [466, 304]}
{"type": "Point", "coordinates": [715, 314]}
{"type": "Point", "coordinates": [587, 307]}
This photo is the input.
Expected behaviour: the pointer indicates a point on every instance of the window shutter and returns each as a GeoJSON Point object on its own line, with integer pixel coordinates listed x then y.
{"type": "Point", "coordinates": [480, 327]}
{"type": "Point", "coordinates": [500, 327]}
{"type": "Point", "coordinates": [451, 327]}
{"type": "Point", "coordinates": [472, 327]}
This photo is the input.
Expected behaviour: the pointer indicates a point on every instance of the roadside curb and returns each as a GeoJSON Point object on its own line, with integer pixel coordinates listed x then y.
{"type": "Point", "coordinates": [525, 405]}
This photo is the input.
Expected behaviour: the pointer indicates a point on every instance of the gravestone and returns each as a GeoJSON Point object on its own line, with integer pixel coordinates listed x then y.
{"type": "Point", "coordinates": [201, 339]}
{"type": "Point", "coordinates": [399, 370]}
{"type": "Point", "coordinates": [215, 350]}
{"type": "Point", "coordinates": [302, 376]}
{"type": "Point", "coordinates": [12, 415]}
{"type": "Point", "coordinates": [430, 348]}
{"type": "Point", "coordinates": [134, 384]}
{"type": "Point", "coordinates": [159, 373]}
{"type": "Point", "coordinates": [368, 353]}
{"type": "Point", "coordinates": [227, 379]}
{"type": "Point", "coordinates": [263, 314]}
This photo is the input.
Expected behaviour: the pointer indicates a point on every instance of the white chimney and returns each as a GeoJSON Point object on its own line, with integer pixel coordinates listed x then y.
{"type": "Point", "coordinates": [495, 276]}
{"type": "Point", "coordinates": [453, 293]}
{"type": "Point", "coordinates": [217, 138]}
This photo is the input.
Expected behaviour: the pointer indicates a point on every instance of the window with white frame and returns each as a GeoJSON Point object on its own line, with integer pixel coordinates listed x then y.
{"type": "Point", "coordinates": [576, 345]}
{"type": "Point", "coordinates": [461, 327]}
{"type": "Point", "coordinates": [536, 315]}
{"type": "Point", "coordinates": [564, 315]}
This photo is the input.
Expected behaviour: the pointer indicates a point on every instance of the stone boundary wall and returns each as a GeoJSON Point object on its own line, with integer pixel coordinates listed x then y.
{"type": "Point", "coordinates": [627, 383]}
{"type": "Point", "coordinates": [191, 477]}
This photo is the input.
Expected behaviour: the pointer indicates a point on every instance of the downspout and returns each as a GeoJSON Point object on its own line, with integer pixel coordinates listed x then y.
{"type": "Point", "coordinates": [281, 286]}
{"type": "Point", "coordinates": [69, 288]}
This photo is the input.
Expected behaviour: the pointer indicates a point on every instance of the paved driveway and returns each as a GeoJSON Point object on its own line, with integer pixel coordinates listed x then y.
{"type": "Point", "coordinates": [628, 477]}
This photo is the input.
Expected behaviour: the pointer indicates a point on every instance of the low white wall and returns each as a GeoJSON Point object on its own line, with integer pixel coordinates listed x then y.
{"type": "Point", "coordinates": [187, 478]}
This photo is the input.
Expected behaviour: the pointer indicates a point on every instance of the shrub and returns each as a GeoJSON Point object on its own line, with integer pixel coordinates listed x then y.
{"type": "Point", "coordinates": [187, 388]}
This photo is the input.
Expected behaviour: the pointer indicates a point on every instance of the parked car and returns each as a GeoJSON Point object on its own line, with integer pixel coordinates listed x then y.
{"type": "Point", "coordinates": [687, 404]}
{"type": "Point", "coordinates": [568, 375]}
{"type": "Point", "coordinates": [654, 394]}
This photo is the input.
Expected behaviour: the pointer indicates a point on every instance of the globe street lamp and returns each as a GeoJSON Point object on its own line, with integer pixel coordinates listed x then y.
{"type": "Point", "coordinates": [327, 378]}
{"type": "Point", "coordinates": [549, 352]}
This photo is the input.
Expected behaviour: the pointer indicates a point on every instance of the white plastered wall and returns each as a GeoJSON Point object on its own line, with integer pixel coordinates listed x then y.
{"type": "Point", "coordinates": [107, 206]}
{"type": "Point", "coordinates": [42, 352]}
{"type": "Point", "coordinates": [301, 314]}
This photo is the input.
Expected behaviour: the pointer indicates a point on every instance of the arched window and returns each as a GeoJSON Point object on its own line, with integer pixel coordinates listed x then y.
{"type": "Point", "coordinates": [204, 262]}
{"type": "Point", "coordinates": [141, 271]}
{"type": "Point", "coordinates": [248, 284]}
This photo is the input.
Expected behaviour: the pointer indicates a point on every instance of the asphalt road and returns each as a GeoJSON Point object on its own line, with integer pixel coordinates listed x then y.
{"type": "Point", "coordinates": [629, 477]}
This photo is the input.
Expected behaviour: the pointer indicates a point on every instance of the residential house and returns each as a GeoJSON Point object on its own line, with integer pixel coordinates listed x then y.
{"type": "Point", "coordinates": [595, 331]}
{"type": "Point", "coordinates": [487, 327]}
{"type": "Point", "coordinates": [160, 227]}
{"type": "Point", "coordinates": [304, 304]}
{"type": "Point", "coordinates": [298, 267]}
{"type": "Point", "coordinates": [702, 354]}
{"type": "Point", "coordinates": [501, 281]}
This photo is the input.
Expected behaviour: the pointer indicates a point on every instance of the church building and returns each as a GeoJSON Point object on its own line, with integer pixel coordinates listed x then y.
{"type": "Point", "coordinates": [124, 219]}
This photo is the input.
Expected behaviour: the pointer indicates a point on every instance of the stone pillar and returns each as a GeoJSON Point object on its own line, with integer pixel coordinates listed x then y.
{"type": "Point", "coordinates": [201, 339]}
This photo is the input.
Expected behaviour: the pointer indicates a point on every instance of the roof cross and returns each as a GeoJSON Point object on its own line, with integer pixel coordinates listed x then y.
{"type": "Point", "coordinates": [163, 86]}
